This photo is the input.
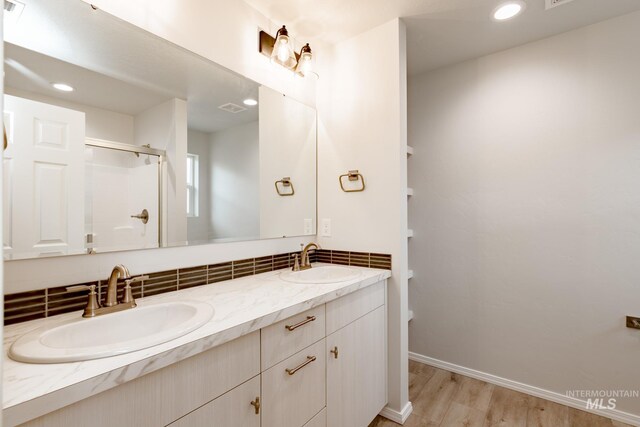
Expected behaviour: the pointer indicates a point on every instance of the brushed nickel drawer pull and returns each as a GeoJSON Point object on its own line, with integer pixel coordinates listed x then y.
{"type": "Point", "coordinates": [304, 322]}
{"type": "Point", "coordinates": [256, 404]}
{"type": "Point", "coordinates": [302, 365]}
{"type": "Point", "coordinates": [334, 352]}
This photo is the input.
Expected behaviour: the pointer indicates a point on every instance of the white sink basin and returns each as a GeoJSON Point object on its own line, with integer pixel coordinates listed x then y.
{"type": "Point", "coordinates": [110, 334]}
{"type": "Point", "coordinates": [321, 274]}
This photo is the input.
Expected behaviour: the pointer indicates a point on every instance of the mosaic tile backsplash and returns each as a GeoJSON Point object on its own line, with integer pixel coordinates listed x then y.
{"type": "Point", "coordinates": [24, 306]}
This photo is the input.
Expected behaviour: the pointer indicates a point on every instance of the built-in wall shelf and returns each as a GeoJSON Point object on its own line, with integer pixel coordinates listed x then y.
{"type": "Point", "coordinates": [410, 274]}
{"type": "Point", "coordinates": [409, 150]}
{"type": "Point", "coordinates": [410, 315]}
{"type": "Point", "coordinates": [409, 192]}
{"type": "Point", "coordinates": [409, 233]}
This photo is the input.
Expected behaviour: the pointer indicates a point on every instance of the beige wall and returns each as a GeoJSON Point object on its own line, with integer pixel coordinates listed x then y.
{"type": "Point", "coordinates": [362, 125]}
{"type": "Point", "coordinates": [287, 149]}
{"type": "Point", "coordinates": [527, 211]}
{"type": "Point", "coordinates": [234, 199]}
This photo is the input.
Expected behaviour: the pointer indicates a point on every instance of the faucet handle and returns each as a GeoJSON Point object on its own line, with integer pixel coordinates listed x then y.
{"type": "Point", "coordinates": [79, 288]}
{"type": "Point", "coordinates": [127, 298]}
{"type": "Point", "coordinates": [92, 301]}
{"type": "Point", "coordinates": [128, 282]}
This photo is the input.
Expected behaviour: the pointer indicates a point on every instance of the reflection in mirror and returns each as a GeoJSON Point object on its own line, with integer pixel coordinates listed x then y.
{"type": "Point", "coordinates": [120, 140]}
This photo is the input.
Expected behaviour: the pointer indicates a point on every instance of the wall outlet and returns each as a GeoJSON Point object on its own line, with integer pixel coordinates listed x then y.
{"type": "Point", "coordinates": [308, 226]}
{"type": "Point", "coordinates": [326, 227]}
{"type": "Point", "coordinates": [633, 322]}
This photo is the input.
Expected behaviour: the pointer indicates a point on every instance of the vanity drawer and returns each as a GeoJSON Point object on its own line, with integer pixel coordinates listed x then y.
{"type": "Point", "coordinates": [342, 311]}
{"type": "Point", "coordinates": [291, 335]}
{"type": "Point", "coordinates": [290, 399]}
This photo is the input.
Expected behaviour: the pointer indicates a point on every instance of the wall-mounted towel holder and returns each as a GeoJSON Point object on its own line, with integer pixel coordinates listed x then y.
{"type": "Point", "coordinates": [353, 175]}
{"type": "Point", "coordinates": [285, 183]}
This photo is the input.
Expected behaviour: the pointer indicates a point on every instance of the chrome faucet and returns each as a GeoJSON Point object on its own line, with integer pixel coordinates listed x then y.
{"type": "Point", "coordinates": [304, 262]}
{"type": "Point", "coordinates": [111, 304]}
{"type": "Point", "coordinates": [118, 272]}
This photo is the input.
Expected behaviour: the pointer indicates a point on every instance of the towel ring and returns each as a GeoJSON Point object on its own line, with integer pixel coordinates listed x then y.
{"type": "Point", "coordinates": [353, 175]}
{"type": "Point", "coordinates": [286, 182]}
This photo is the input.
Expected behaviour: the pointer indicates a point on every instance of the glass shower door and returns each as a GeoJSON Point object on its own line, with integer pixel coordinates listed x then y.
{"type": "Point", "coordinates": [122, 200]}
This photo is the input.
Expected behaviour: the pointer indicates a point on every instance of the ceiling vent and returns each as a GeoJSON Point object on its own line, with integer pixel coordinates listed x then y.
{"type": "Point", "coordinates": [232, 108]}
{"type": "Point", "coordinates": [12, 10]}
{"type": "Point", "coordinates": [550, 4]}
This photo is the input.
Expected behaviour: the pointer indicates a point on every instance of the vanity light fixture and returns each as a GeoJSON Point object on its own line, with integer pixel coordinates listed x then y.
{"type": "Point", "coordinates": [508, 10]}
{"type": "Point", "coordinates": [250, 102]}
{"type": "Point", "coordinates": [304, 63]}
{"type": "Point", "coordinates": [280, 50]}
{"type": "Point", "coordinates": [62, 87]}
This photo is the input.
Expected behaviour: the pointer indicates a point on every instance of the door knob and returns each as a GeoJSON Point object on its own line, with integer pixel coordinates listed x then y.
{"type": "Point", "coordinates": [143, 216]}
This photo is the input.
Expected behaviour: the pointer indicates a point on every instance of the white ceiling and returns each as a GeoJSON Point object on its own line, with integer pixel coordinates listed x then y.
{"type": "Point", "coordinates": [439, 32]}
{"type": "Point", "coordinates": [34, 72]}
{"type": "Point", "coordinates": [117, 66]}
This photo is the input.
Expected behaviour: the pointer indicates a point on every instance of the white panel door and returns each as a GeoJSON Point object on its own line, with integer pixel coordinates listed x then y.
{"type": "Point", "coordinates": [357, 377]}
{"type": "Point", "coordinates": [44, 178]}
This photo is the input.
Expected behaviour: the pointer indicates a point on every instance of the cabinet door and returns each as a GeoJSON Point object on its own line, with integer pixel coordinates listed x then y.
{"type": "Point", "coordinates": [232, 409]}
{"type": "Point", "coordinates": [357, 378]}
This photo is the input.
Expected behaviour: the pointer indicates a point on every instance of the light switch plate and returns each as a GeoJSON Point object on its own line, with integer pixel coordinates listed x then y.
{"type": "Point", "coordinates": [308, 226]}
{"type": "Point", "coordinates": [326, 227]}
{"type": "Point", "coordinates": [633, 322]}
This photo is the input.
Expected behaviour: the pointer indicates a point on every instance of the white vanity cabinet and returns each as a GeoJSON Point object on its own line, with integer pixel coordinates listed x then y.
{"type": "Point", "coordinates": [354, 341]}
{"type": "Point", "coordinates": [357, 357]}
{"type": "Point", "coordinates": [356, 372]}
{"type": "Point", "coordinates": [325, 367]}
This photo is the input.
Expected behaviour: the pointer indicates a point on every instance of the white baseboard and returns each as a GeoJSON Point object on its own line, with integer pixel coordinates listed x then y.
{"type": "Point", "coordinates": [573, 402]}
{"type": "Point", "coordinates": [395, 416]}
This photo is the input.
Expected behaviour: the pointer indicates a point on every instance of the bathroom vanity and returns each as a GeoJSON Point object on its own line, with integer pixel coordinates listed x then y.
{"type": "Point", "coordinates": [275, 353]}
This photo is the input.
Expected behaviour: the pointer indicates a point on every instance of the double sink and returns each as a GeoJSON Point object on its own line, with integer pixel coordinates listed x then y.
{"type": "Point", "coordinates": [79, 339]}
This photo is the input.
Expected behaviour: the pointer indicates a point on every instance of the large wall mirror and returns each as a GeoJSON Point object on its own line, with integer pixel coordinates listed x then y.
{"type": "Point", "coordinates": [120, 140]}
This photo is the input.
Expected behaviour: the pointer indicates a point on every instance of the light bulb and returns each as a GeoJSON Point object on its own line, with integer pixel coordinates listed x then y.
{"type": "Point", "coordinates": [305, 63]}
{"type": "Point", "coordinates": [283, 48]}
{"type": "Point", "coordinates": [62, 87]}
{"type": "Point", "coordinates": [508, 10]}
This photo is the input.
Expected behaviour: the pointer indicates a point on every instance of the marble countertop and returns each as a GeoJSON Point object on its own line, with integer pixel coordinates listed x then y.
{"type": "Point", "coordinates": [241, 306]}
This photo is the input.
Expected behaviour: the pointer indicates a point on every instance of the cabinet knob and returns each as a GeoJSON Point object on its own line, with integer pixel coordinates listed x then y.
{"type": "Point", "coordinates": [334, 352]}
{"type": "Point", "coordinates": [256, 404]}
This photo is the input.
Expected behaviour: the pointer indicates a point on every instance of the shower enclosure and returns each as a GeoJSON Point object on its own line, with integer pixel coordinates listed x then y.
{"type": "Point", "coordinates": [123, 196]}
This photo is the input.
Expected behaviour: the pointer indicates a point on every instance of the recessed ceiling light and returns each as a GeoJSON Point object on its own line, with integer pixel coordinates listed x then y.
{"type": "Point", "coordinates": [63, 87]}
{"type": "Point", "coordinates": [508, 10]}
{"type": "Point", "coordinates": [250, 102]}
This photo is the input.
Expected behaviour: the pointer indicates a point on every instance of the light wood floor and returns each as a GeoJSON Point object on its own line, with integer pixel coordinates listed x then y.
{"type": "Point", "coordinates": [442, 398]}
